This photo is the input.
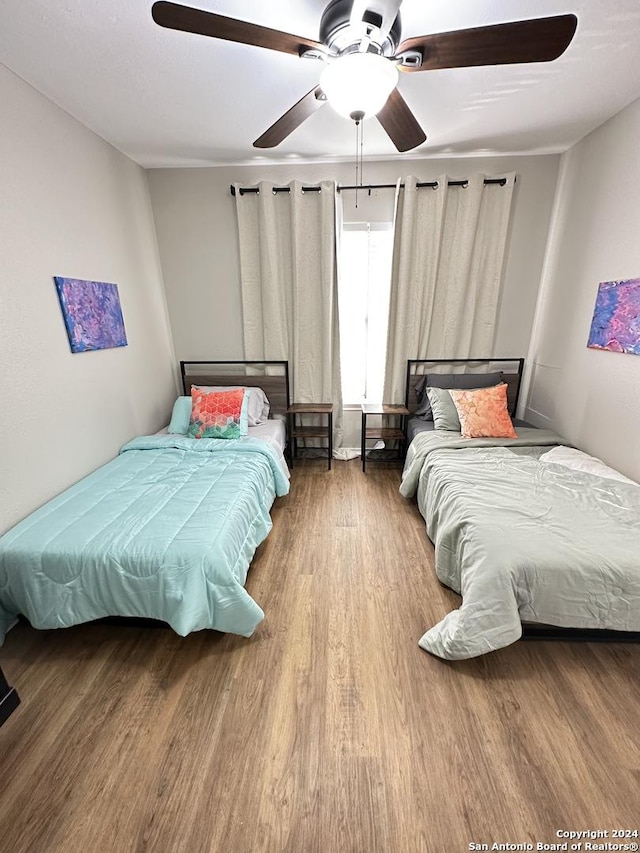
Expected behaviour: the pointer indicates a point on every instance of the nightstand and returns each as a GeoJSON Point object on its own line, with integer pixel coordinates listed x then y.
{"type": "Point", "coordinates": [299, 430]}
{"type": "Point", "coordinates": [386, 432]}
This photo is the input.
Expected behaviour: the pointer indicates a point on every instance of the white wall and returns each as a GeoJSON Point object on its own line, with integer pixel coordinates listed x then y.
{"type": "Point", "coordinates": [197, 235]}
{"type": "Point", "coordinates": [71, 205]}
{"type": "Point", "coordinates": [592, 397]}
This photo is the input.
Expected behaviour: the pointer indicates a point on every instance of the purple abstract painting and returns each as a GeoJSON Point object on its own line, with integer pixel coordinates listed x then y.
{"type": "Point", "coordinates": [616, 317]}
{"type": "Point", "coordinates": [92, 314]}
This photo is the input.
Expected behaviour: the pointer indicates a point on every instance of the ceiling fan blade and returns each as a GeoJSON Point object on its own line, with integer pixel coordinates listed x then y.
{"type": "Point", "coordinates": [400, 123]}
{"type": "Point", "coordinates": [292, 119]}
{"type": "Point", "coordinates": [536, 40]}
{"type": "Point", "coordinates": [190, 20]}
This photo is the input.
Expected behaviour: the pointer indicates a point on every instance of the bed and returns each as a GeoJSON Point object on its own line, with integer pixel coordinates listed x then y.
{"type": "Point", "coordinates": [165, 531]}
{"type": "Point", "coordinates": [527, 530]}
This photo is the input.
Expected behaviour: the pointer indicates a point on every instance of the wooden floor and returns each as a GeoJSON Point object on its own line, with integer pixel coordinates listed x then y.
{"type": "Point", "coordinates": [330, 730]}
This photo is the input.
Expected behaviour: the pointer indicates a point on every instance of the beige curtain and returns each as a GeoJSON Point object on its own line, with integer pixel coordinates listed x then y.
{"type": "Point", "coordinates": [289, 287]}
{"type": "Point", "coordinates": [449, 246]}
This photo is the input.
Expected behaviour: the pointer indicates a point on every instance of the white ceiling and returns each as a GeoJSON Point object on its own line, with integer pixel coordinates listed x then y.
{"type": "Point", "coordinates": [168, 98]}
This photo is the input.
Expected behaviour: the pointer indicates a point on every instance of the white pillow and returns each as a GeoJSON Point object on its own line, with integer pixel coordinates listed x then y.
{"type": "Point", "coordinates": [258, 407]}
{"type": "Point", "coordinates": [570, 457]}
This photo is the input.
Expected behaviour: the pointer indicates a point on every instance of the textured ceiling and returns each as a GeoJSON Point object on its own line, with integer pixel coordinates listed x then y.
{"type": "Point", "coordinates": [168, 98]}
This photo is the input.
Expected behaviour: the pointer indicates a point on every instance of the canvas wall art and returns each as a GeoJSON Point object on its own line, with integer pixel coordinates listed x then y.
{"type": "Point", "coordinates": [92, 314]}
{"type": "Point", "coordinates": [616, 317]}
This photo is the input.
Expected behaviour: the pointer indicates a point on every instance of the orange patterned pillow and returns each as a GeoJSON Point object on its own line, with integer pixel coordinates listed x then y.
{"type": "Point", "coordinates": [483, 413]}
{"type": "Point", "coordinates": [218, 414]}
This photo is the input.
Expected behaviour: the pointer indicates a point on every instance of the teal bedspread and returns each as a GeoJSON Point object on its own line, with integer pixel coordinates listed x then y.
{"type": "Point", "coordinates": [166, 530]}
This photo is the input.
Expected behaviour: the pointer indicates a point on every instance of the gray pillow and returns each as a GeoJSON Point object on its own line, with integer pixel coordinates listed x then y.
{"type": "Point", "coordinates": [443, 409]}
{"type": "Point", "coordinates": [450, 380]}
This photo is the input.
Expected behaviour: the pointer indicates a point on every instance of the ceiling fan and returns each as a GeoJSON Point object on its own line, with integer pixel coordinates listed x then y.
{"type": "Point", "coordinates": [361, 48]}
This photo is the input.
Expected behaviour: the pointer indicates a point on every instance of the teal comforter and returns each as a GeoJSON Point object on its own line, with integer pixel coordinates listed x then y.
{"type": "Point", "coordinates": [166, 530]}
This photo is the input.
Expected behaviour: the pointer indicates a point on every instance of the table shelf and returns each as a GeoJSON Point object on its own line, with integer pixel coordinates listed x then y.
{"type": "Point", "coordinates": [389, 433]}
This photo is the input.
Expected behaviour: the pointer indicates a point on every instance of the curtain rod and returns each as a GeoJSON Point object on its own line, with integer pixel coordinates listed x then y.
{"type": "Point", "coordinates": [368, 187]}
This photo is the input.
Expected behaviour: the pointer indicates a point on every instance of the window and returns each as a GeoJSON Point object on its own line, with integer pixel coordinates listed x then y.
{"type": "Point", "coordinates": [363, 301]}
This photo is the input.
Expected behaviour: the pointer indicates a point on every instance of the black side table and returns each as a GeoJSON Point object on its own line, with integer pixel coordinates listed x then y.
{"type": "Point", "coordinates": [299, 430]}
{"type": "Point", "coordinates": [384, 432]}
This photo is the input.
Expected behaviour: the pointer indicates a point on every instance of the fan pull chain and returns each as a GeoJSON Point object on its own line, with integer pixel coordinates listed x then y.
{"type": "Point", "coordinates": [357, 130]}
{"type": "Point", "coordinates": [361, 149]}
{"type": "Point", "coordinates": [358, 117]}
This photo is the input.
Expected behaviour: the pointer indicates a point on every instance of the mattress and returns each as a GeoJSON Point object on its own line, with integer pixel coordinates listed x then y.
{"type": "Point", "coordinates": [416, 426]}
{"type": "Point", "coordinates": [274, 433]}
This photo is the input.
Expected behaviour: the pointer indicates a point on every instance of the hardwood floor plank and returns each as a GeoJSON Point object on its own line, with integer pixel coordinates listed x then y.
{"type": "Point", "coordinates": [328, 731]}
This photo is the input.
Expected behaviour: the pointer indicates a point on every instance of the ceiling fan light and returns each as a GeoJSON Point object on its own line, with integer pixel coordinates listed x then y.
{"type": "Point", "coordinates": [359, 82]}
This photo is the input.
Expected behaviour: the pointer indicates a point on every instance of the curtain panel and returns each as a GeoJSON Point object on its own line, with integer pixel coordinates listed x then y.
{"type": "Point", "coordinates": [449, 246]}
{"type": "Point", "coordinates": [289, 287]}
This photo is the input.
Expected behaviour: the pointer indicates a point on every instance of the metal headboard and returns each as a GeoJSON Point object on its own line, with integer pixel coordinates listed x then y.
{"type": "Point", "coordinates": [511, 369]}
{"type": "Point", "coordinates": [271, 376]}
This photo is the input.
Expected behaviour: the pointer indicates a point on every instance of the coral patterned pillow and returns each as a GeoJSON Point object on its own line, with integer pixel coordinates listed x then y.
{"type": "Point", "coordinates": [483, 413]}
{"type": "Point", "coordinates": [218, 414]}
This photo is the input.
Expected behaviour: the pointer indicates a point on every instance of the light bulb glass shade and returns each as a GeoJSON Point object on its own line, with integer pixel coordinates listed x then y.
{"type": "Point", "coordinates": [358, 82]}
